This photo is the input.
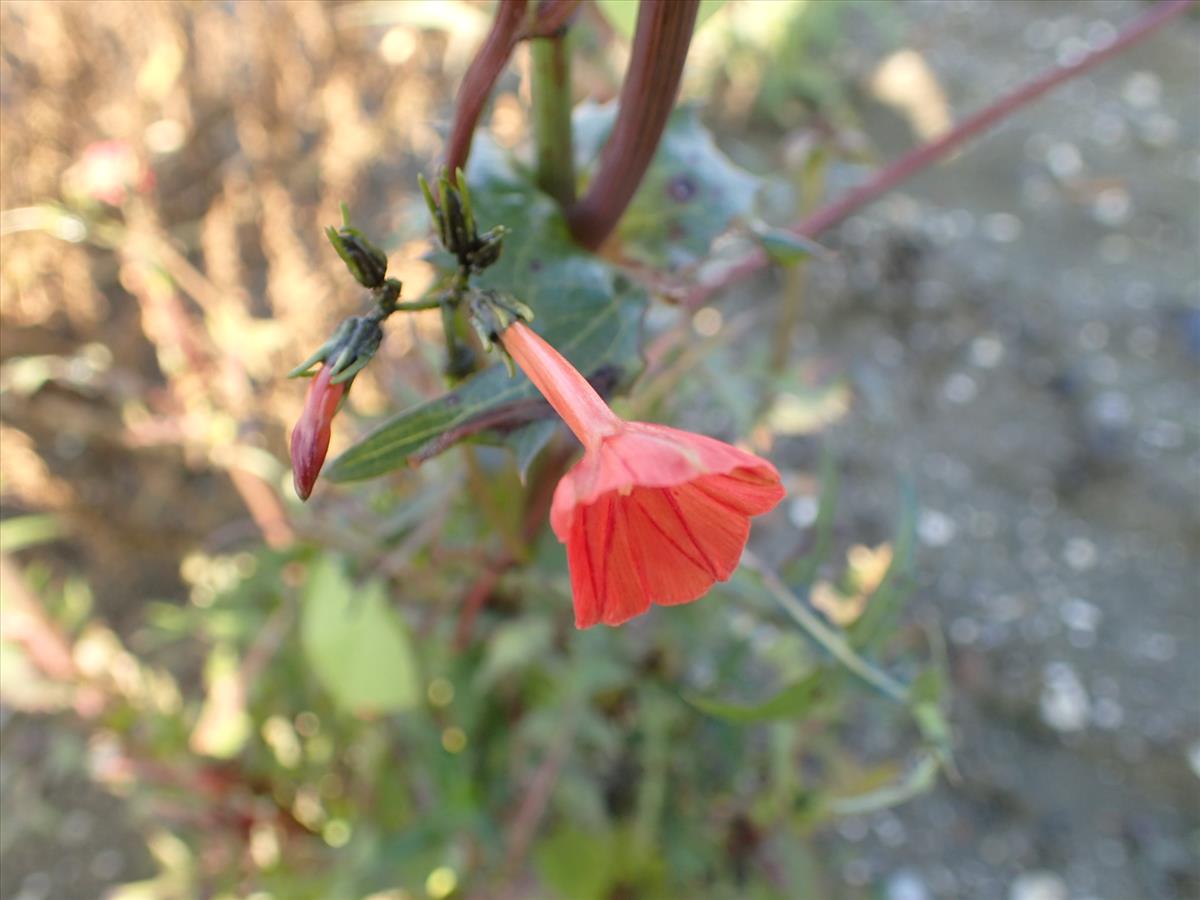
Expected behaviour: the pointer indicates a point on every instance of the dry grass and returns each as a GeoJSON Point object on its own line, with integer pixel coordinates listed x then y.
{"type": "Point", "coordinates": [159, 339]}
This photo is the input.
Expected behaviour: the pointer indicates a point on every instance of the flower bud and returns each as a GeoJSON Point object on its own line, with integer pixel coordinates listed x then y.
{"type": "Point", "coordinates": [340, 358]}
{"type": "Point", "coordinates": [366, 262]}
{"type": "Point", "coordinates": [454, 219]}
{"type": "Point", "coordinates": [310, 437]}
{"type": "Point", "coordinates": [490, 243]}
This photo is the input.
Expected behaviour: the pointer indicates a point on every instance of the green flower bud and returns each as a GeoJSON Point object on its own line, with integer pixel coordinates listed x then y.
{"type": "Point", "coordinates": [366, 262]}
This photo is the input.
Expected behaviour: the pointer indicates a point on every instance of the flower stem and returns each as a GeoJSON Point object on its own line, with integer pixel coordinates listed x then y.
{"type": "Point", "coordinates": [415, 305]}
{"type": "Point", "coordinates": [924, 156]}
{"type": "Point", "coordinates": [551, 61]}
{"type": "Point", "coordinates": [660, 46]}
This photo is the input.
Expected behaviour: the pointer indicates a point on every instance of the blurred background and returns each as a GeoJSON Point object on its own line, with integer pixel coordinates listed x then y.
{"type": "Point", "coordinates": [984, 401]}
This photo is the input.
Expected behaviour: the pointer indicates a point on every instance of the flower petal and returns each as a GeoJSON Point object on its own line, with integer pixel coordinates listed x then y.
{"type": "Point", "coordinates": [645, 455]}
{"type": "Point", "coordinates": [606, 577]}
{"type": "Point", "coordinates": [747, 492]}
{"type": "Point", "coordinates": [673, 568]}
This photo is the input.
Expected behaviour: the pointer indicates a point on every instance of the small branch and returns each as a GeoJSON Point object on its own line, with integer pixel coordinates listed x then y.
{"type": "Point", "coordinates": [922, 157]}
{"type": "Point", "coordinates": [416, 305]}
{"type": "Point", "coordinates": [837, 646]}
{"type": "Point", "coordinates": [477, 597]}
{"type": "Point", "coordinates": [551, 61]}
{"type": "Point", "coordinates": [660, 46]}
{"type": "Point", "coordinates": [524, 825]}
{"type": "Point", "coordinates": [481, 77]}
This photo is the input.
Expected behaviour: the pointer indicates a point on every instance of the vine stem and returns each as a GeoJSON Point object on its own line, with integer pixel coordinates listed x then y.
{"type": "Point", "coordinates": [660, 46]}
{"type": "Point", "coordinates": [924, 156]}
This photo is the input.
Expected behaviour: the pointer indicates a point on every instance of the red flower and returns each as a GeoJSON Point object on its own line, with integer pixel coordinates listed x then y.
{"type": "Point", "coordinates": [310, 437]}
{"type": "Point", "coordinates": [651, 514]}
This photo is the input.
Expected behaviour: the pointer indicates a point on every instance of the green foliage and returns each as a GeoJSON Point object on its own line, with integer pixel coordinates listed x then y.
{"type": "Point", "coordinates": [785, 247]}
{"type": "Point", "coordinates": [357, 647]}
{"type": "Point", "coordinates": [581, 865]}
{"type": "Point", "coordinates": [582, 305]}
{"type": "Point", "coordinates": [792, 702]}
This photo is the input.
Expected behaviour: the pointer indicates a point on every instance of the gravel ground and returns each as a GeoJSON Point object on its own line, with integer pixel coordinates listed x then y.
{"type": "Point", "coordinates": [1022, 325]}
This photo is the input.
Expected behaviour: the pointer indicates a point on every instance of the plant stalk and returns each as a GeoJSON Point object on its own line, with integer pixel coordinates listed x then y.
{"type": "Point", "coordinates": [660, 46]}
{"type": "Point", "coordinates": [551, 60]}
{"type": "Point", "coordinates": [481, 77]}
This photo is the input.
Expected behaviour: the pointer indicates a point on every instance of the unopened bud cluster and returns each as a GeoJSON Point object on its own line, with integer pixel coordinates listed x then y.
{"type": "Point", "coordinates": [457, 230]}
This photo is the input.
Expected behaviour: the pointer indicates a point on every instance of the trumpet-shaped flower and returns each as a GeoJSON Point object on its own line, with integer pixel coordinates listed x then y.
{"type": "Point", "coordinates": [310, 437]}
{"type": "Point", "coordinates": [651, 514]}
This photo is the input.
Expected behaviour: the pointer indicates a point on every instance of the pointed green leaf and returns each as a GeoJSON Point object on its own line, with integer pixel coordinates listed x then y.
{"type": "Point", "coordinates": [786, 247]}
{"type": "Point", "coordinates": [529, 441]}
{"type": "Point", "coordinates": [358, 648]}
{"type": "Point", "coordinates": [793, 701]}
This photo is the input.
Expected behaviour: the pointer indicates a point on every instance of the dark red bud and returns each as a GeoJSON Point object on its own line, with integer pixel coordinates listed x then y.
{"type": "Point", "coordinates": [310, 437]}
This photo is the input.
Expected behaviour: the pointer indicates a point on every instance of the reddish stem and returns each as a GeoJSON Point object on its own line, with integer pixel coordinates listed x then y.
{"type": "Point", "coordinates": [922, 157]}
{"type": "Point", "coordinates": [660, 46]}
{"type": "Point", "coordinates": [481, 77]}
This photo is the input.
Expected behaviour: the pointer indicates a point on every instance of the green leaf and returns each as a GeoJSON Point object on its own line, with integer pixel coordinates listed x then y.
{"type": "Point", "coordinates": [513, 647]}
{"type": "Point", "coordinates": [690, 195]}
{"type": "Point", "coordinates": [528, 442]}
{"type": "Point", "coordinates": [357, 647]}
{"type": "Point", "coordinates": [792, 702]}
{"type": "Point", "coordinates": [586, 308]}
{"type": "Point", "coordinates": [786, 247]}
{"type": "Point", "coordinates": [919, 779]}
{"type": "Point", "coordinates": [576, 863]}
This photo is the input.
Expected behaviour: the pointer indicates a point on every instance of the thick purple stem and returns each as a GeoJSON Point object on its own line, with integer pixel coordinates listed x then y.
{"type": "Point", "coordinates": [660, 46]}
